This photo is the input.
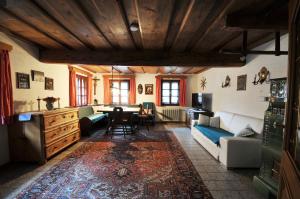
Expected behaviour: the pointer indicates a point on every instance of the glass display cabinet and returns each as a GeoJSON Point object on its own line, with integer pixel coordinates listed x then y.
{"type": "Point", "coordinates": [272, 142]}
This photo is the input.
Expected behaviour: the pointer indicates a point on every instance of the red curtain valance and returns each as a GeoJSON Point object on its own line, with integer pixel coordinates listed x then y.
{"type": "Point", "coordinates": [6, 92]}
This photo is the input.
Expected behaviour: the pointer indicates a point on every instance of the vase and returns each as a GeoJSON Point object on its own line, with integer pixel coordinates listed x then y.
{"type": "Point", "coordinates": [49, 106]}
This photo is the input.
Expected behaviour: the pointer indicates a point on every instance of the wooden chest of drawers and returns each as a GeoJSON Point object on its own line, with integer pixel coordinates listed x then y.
{"type": "Point", "coordinates": [46, 134]}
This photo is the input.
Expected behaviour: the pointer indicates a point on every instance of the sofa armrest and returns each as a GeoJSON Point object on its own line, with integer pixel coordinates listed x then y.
{"type": "Point", "coordinates": [240, 152]}
{"type": "Point", "coordinates": [193, 123]}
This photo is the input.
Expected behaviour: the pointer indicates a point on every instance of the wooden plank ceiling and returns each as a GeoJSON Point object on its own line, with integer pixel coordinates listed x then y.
{"type": "Point", "coordinates": [177, 36]}
{"type": "Point", "coordinates": [143, 69]}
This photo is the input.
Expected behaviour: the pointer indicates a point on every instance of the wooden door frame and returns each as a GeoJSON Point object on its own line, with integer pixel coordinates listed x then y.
{"type": "Point", "coordinates": [289, 173]}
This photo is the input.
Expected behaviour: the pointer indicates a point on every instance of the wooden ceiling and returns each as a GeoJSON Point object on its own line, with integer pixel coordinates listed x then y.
{"type": "Point", "coordinates": [144, 69]}
{"type": "Point", "coordinates": [189, 33]}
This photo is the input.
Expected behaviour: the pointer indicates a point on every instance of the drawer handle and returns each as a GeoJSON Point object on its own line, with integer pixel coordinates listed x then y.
{"type": "Point", "coordinates": [52, 121]}
{"type": "Point", "coordinates": [64, 116]}
{"type": "Point", "coordinates": [53, 135]}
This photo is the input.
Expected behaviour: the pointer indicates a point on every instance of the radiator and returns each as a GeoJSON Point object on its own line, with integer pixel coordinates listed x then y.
{"type": "Point", "coordinates": [171, 114]}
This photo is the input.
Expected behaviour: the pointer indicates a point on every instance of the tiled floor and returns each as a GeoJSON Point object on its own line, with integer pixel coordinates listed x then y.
{"type": "Point", "coordinates": [221, 182]}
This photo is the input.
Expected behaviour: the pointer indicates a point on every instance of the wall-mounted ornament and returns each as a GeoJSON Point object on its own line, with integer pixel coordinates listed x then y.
{"type": "Point", "coordinates": [203, 83]}
{"type": "Point", "coordinates": [140, 89]}
{"type": "Point", "coordinates": [149, 89]}
{"type": "Point", "coordinates": [241, 82]}
{"type": "Point", "coordinates": [37, 76]}
{"type": "Point", "coordinates": [263, 75]}
{"type": "Point", "coordinates": [49, 83]}
{"type": "Point", "coordinates": [23, 80]}
{"type": "Point", "coordinates": [226, 83]}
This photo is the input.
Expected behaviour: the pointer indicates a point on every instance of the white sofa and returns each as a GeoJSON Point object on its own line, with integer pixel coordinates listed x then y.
{"type": "Point", "coordinates": [234, 152]}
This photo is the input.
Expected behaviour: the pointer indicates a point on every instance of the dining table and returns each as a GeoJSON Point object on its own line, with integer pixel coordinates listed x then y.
{"type": "Point", "coordinates": [128, 111]}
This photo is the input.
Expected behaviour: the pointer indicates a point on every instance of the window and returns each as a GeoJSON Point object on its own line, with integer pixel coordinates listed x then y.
{"type": "Point", "coordinates": [81, 90]}
{"type": "Point", "coordinates": [170, 92]}
{"type": "Point", "coordinates": [120, 91]}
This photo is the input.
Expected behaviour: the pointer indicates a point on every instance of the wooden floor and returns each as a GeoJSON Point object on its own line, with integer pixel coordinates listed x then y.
{"type": "Point", "coordinates": [222, 183]}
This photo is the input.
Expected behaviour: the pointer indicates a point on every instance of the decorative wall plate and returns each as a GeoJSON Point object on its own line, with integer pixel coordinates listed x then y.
{"type": "Point", "coordinates": [140, 89]}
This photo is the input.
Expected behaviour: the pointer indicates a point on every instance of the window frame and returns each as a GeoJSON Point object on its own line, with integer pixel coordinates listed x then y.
{"type": "Point", "coordinates": [170, 90]}
{"type": "Point", "coordinates": [83, 95]}
{"type": "Point", "coordinates": [111, 94]}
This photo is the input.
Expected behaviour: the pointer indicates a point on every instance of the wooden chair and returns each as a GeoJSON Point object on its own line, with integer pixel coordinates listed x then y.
{"type": "Point", "coordinates": [119, 118]}
{"type": "Point", "coordinates": [145, 116]}
{"type": "Point", "coordinates": [149, 107]}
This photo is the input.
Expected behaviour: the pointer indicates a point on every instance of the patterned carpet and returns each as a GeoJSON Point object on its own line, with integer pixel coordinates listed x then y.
{"type": "Point", "coordinates": [144, 165]}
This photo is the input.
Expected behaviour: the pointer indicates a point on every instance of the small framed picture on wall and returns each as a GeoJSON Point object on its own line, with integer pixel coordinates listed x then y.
{"type": "Point", "coordinates": [241, 82]}
{"type": "Point", "coordinates": [23, 80]}
{"type": "Point", "coordinates": [149, 89]}
{"type": "Point", "coordinates": [49, 83]}
{"type": "Point", "coordinates": [37, 76]}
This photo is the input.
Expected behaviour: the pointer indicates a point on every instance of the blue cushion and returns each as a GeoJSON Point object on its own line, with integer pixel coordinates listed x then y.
{"type": "Point", "coordinates": [97, 117]}
{"type": "Point", "coordinates": [213, 133]}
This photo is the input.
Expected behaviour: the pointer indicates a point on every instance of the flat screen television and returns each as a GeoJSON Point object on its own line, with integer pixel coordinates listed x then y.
{"type": "Point", "coordinates": [202, 101]}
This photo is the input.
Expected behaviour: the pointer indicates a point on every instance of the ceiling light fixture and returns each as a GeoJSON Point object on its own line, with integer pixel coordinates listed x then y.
{"type": "Point", "coordinates": [134, 27]}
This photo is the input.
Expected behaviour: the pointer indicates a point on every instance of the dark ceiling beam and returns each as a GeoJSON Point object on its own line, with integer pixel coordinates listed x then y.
{"type": "Point", "coordinates": [19, 37]}
{"type": "Point", "coordinates": [86, 14]}
{"type": "Point", "coordinates": [129, 10]}
{"type": "Point", "coordinates": [41, 20]}
{"type": "Point", "coordinates": [184, 20]}
{"type": "Point", "coordinates": [198, 38]}
{"type": "Point", "coordinates": [271, 23]}
{"type": "Point", "coordinates": [126, 21]}
{"type": "Point", "coordinates": [62, 44]}
{"type": "Point", "coordinates": [234, 36]}
{"type": "Point", "coordinates": [140, 58]}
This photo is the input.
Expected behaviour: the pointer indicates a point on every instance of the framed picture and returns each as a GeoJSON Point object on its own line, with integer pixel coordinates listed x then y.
{"type": "Point", "coordinates": [149, 89]}
{"type": "Point", "coordinates": [23, 80]}
{"type": "Point", "coordinates": [241, 82]}
{"type": "Point", "coordinates": [37, 76]}
{"type": "Point", "coordinates": [49, 83]}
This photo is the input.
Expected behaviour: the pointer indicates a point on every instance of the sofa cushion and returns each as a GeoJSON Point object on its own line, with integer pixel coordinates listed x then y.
{"type": "Point", "coordinates": [246, 132]}
{"type": "Point", "coordinates": [212, 133]}
{"type": "Point", "coordinates": [235, 122]}
{"type": "Point", "coordinates": [203, 120]}
{"type": "Point", "coordinates": [97, 117]}
{"type": "Point", "coordinates": [225, 119]}
{"type": "Point", "coordinates": [85, 111]}
{"type": "Point", "coordinates": [239, 122]}
{"type": "Point", "coordinates": [214, 122]}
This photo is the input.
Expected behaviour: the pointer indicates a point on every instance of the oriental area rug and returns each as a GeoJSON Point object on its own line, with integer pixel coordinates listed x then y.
{"type": "Point", "coordinates": [143, 165]}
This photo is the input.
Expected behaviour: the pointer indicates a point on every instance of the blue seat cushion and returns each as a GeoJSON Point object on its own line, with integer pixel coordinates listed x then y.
{"type": "Point", "coordinates": [213, 133]}
{"type": "Point", "coordinates": [97, 117]}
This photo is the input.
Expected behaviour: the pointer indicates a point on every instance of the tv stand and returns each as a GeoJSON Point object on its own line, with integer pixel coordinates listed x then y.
{"type": "Point", "coordinates": [193, 114]}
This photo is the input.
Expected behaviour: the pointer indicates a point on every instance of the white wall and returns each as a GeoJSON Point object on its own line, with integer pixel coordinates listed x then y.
{"type": "Point", "coordinates": [24, 58]}
{"type": "Point", "coordinates": [146, 78]}
{"type": "Point", "coordinates": [247, 102]}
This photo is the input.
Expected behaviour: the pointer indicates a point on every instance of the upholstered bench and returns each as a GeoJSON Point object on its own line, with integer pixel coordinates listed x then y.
{"type": "Point", "coordinates": [88, 119]}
